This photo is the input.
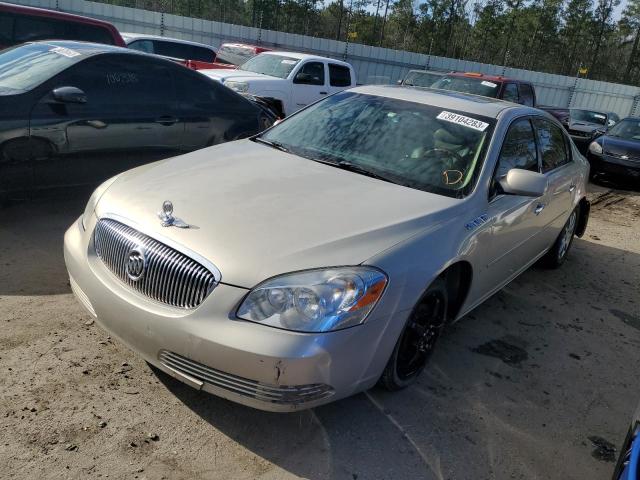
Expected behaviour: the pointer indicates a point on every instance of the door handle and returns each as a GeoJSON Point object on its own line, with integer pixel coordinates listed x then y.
{"type": "Point", "coordinates": [166, 120]}
{"type": "Point", "coordinates": [323, 93]}
{"type": "Point", "coordinates": [572, 188]}
{"type": "Point", "coordinates": [539, 208]}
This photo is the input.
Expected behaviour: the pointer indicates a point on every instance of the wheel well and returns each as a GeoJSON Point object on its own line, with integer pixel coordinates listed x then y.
{"type": "Point", "coordinates": [458, 280]}
{"type": "Point", "coordinates": [583, 216]}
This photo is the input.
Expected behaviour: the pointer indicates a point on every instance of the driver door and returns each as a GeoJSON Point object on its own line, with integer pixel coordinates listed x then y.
{"type": "Point", "coordinates": [513, 240]}
{"type": "Point", "coordinates": [309, 85]}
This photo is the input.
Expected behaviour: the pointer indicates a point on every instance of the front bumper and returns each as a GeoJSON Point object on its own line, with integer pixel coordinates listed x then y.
{"type": "Point", "coordinates": [209, 349]}
{"type": "Point", "coordinates": [613, 165]}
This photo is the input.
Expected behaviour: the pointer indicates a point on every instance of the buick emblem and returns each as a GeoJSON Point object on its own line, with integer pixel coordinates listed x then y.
{"type": "Point", "coordinates": [136, 264]}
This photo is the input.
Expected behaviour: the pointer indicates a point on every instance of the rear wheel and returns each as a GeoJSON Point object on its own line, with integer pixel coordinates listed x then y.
{"type": "Point", "coordinates": [558, 252]}
{"type": "Point", "coordinates": [418, 339]}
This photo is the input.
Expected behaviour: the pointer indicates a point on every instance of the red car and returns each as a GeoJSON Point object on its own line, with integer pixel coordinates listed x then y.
{"type": "Point", "coordinates": [232, 55]}
{"type": "Point", "coordinates": [19, 24]}
{"type": "Point", "coordinates": [504, 88]}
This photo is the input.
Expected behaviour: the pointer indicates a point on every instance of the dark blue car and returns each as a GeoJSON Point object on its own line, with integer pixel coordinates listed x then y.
{"type": "Point", "coordinates": [617, 151]}
{"type": "Point", "coordinates": [627, 466]}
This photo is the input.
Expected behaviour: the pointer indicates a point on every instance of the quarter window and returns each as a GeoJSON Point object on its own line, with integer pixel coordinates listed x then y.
{"type": "Point", "coordinates": [340, 76]}
{"type": "Point", "coordinates": [553, 145]}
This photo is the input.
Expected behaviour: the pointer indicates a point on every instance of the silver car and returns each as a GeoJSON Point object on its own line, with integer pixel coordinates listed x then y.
{"type": "Point", "coordinates": [325, 255]}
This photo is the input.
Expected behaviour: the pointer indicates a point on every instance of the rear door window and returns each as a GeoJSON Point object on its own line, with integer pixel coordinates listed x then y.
{"type": "Point", "coordinates": [89, 33]}
{"type": "Point", "coordinates": [553, 145]}
{"type": "Point", "coordinates": [526, 94]}
{"type": "Point", "coordinates": [28, 29]}
{"type": "Point", "coordinates": [339, 76]}
{"type": "Point", "coordinates": [510, 93]}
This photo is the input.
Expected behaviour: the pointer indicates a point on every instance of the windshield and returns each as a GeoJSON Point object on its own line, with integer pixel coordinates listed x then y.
{"type": "Point", "coordinates": [420, 79]}
{"type": "Point", "coordinates": [476, 86]}
{"type": "Point", "coordinates": [411, 144]}
{"type": "Point", "coordinates": [588, 116]}
{"type": "Point", "coordinates": [628, 129]}
{"type": "Point", "coordinates": [25, 67]}
{"type": "Point", "coordinates": [234, 54]}
{"type": "Point", "coordinates": [273, 65]}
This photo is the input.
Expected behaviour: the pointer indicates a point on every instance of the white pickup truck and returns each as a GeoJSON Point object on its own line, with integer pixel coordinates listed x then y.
{"type": "Point", "coordinates": [288, 80]}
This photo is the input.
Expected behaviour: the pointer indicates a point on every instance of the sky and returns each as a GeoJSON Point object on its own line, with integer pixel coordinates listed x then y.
{"type": "Point", "coordinates": [619, 9]}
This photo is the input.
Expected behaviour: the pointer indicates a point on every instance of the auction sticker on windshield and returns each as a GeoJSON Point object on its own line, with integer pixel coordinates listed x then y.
{"type": "Point", "coordinates": [67, 52]}
{"type": "Point", "coordinates": [462, 120]}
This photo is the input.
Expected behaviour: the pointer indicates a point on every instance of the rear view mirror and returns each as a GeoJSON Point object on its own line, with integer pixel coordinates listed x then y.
{"type": "Point", "coordinates": [69, 95]}
{"type": "Point", "coordinates": [524, 182]}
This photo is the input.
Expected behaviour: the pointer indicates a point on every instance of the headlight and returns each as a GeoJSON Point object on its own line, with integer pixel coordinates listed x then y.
{"type": "Point", "coordinates": [315, 300]}
{"type": "Point", "coordinates": [595, 147]}
{"type": "Point", "coordinates": [93, 200]}
{"type": "Point", "coordinates": [241, 87]}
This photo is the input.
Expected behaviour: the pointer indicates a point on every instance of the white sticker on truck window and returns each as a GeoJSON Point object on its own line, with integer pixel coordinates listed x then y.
{"type": "Point", "coordinates": [489, 84]}
{"type": "Point", "coordinates": [289, 62]}
{"type": "Point", "coordinates": [462, 120]}
{"type": "Point", "coordinates": [67, 52]}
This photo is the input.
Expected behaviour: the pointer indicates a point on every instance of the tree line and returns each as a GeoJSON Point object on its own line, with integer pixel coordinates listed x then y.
{"type": "Point", "coordinates": [568, 37]}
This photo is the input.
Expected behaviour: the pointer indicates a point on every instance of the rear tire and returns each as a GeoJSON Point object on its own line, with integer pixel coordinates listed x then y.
{"type": "Point", "coordinates": [558, 252]}
{"type": "Point", "coordinates": [418, 339]}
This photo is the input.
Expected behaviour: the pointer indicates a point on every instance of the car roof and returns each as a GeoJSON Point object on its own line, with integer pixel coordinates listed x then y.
{"type": "Point", "coordinates": [128, 37]}
{"type": "Point", "coordinates": [305, 56]}
{"type": "Point", "coordinates": [243, 45]}
{"type": "Point", "coordinates": [446, 99]}
{"type": "Point", "coordinates": [431, 72]}
{"type": "Point", "coordinates": [482, 76]}
{"type": "Point", "coordinates": [43, 12]}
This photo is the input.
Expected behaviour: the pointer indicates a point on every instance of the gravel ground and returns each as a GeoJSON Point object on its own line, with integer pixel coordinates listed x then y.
{"type": "Point", "coordinates": [535, 383]}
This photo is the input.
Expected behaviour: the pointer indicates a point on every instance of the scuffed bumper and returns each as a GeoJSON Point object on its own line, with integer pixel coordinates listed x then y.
{"type": "Point", "coordinates": [209, 349]}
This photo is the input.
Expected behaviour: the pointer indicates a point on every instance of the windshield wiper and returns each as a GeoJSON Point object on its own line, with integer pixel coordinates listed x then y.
{"type": "Point", "coordinates": [352, 167]}
{"type": "Point", "coordinates": [276, 145]}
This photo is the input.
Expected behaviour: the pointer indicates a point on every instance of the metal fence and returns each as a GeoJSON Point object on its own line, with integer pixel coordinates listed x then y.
{"type": "Point", "coordinates": [372, 64]}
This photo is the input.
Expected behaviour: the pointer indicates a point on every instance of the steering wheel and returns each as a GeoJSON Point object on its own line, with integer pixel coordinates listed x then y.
{"type": "Point", "coordinates": [451, 174]}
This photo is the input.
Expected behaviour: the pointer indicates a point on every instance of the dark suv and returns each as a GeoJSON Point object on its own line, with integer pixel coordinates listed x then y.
{"type": "Point", "coordinates": [509, 89]}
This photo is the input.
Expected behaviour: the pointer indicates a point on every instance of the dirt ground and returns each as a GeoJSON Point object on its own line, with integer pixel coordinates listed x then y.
{"type": "Point", "coordinates": [538, 383]}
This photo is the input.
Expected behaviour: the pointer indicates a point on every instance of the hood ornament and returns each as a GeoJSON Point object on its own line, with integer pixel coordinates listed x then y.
{"type": "Point", "coordinates": [167, 218]}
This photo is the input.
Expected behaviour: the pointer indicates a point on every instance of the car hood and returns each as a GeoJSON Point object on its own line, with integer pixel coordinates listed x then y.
{"type": "Point", "coordinates": [257, 212]}
{"type": "Point", "coordinates": [239, 75]}
{"type": "Point", "coordinates": [619, 146]}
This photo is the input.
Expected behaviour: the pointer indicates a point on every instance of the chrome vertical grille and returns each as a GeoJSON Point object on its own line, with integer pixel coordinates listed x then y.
{"type": "Point", "coordinates": [170, 277]}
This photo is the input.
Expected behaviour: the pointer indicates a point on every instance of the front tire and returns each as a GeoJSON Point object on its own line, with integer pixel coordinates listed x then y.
{"type": "Point", "coordinates": [558, 252]}
{"type": "Point", "coordinates": [418, 338]}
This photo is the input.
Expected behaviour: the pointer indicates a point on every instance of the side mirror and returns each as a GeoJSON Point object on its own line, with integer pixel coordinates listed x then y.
{"type": "Point", "coordinates": [69, 95]}
{"type": "Point", "coordinates": [524, 182]}
{"type": "Point", "coordinates": [399, 82]}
